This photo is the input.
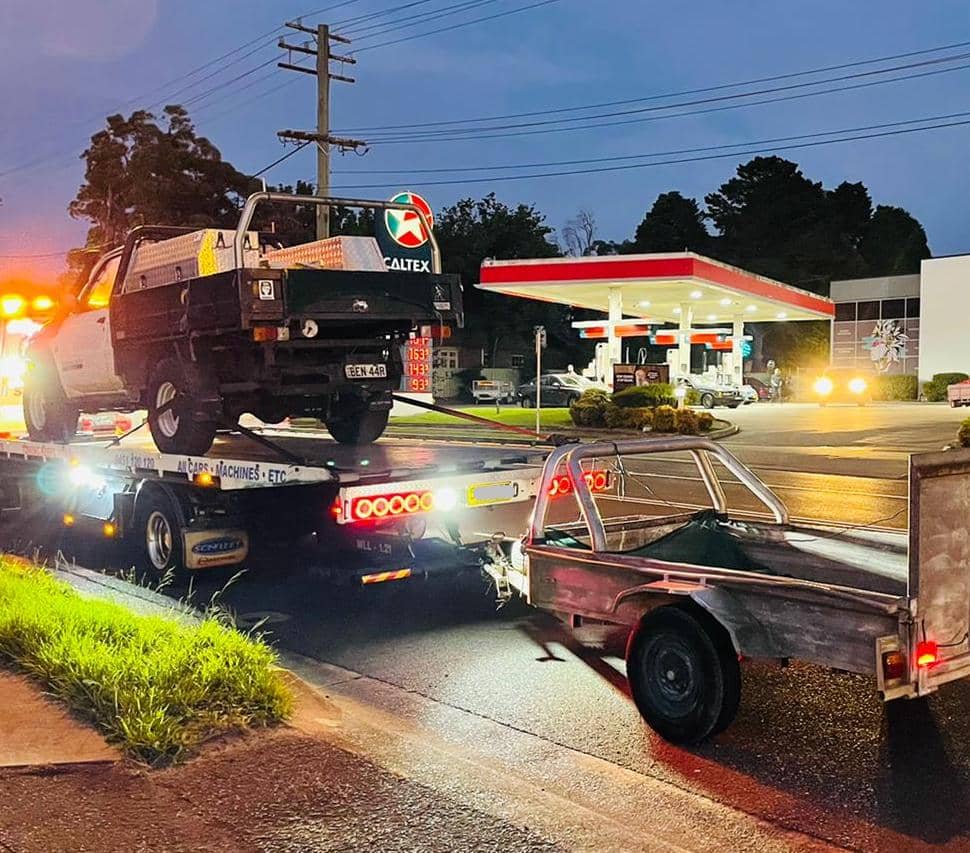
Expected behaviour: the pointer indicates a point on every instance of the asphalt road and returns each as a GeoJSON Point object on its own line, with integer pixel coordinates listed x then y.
{"type": "Point", "coordinates": [812, 751]}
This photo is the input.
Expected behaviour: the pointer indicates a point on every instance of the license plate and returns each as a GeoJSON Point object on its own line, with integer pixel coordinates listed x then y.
{"type": "Point", "coordinates": [483, 494]}
{"type": "Point", "coordinates": [365, 371]}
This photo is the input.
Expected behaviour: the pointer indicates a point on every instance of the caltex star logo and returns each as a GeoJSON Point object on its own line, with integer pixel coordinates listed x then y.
{"type": "Point", "coordinates": [405, 226]}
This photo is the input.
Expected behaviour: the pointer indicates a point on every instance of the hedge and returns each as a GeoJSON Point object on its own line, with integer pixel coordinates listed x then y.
{"type": "Point", "coordinates": [963, 434]}
{"type": "Point", "coordinates": [895, 388]}
{"type": "Point", "coordinates": [646, 396]}
{"type": "Point", "coordinates": [935, 389]}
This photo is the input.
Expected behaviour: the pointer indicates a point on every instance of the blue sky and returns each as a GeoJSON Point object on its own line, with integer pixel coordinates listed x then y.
{"type": "Point", "coordinates": [64, 65]}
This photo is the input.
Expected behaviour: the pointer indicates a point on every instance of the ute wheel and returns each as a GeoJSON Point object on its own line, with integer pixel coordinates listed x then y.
{"type": "Point", "coordinates": [158, 533]}
{"type": "Point", "coordinates": [707, 401]}
{"type": "Point", "coordinates": [178, 429]}
{"type": "Point", "coordinates": [48, 413]}
{"type": "Point", "coordinates": [362, 427]}
{"type": "Point", "coordinates": [684, 674]}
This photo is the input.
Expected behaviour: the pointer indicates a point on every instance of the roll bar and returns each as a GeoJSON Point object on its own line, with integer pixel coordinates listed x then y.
{"type": "Point", "coordinates": [249, 209]}
{"type": "Point", "coordinates": [701, 449]}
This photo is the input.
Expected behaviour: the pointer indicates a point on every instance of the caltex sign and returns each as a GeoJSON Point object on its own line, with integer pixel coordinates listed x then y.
{"type": "Point", "coordinates": [402, 236]}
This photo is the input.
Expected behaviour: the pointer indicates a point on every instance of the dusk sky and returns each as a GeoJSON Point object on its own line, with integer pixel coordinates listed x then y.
{"type": "Point", "coordinates": [66, 65]}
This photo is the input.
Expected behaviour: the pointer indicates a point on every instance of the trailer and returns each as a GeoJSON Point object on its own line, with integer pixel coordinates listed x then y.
{"type": "Point", "coordinates": [392, 511]}
{"type": "Point", "coordinates": [699, 590]}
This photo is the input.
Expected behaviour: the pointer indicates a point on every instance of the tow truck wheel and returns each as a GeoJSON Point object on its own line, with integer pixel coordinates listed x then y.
{"type": "Point", "coordinates": [159, 534]}
{"type": "Point", "coordinates": [362, 427]}
{"type": "Point", "coordinates": [48, 413]}
{"type": "Point", "coordinates": [684, 674]}
{"type": "Point", "coordinates": [707, 401]}
{"type": "Point", "coordinates": [177, 429]}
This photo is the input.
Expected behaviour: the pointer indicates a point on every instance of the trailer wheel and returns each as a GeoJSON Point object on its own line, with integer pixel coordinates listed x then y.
{"type": "Point", "coordinates": [159, 531]}
{"type": "Point", "coordinates": [48, 413]}
{"type": "Point", "coordinates": [684, 675]}
{"type": "Point", "coordinates": [178, 429]}
{"type": "Point", "coordinates": [361, 427]}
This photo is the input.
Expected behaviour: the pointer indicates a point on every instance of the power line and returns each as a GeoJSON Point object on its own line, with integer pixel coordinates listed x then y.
{"type": "Point", "coordinates": [404, 23]}
{"type": "Point", "coordinates": [706, 111]}
{"type": "Point", "coordinates": [620, 158]}
{"type": "Point", "coordinates": [458, 26]}
{"type": "Point", "coordinates": [748, 153]}
{"type": "Point", "coordinates": [720, 87]}
{"type": "Point", "coordinates": [370, 16]}
{"type": "Point", "coordinates": [696, 102]}
{"type": "Point", "coordinates": [286, 156]}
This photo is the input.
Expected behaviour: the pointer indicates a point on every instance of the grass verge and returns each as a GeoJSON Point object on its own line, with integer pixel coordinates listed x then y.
{"type": "Point", "coordinates": [551, 418]}
{"type": "Point", "coordinates": [155, 686]}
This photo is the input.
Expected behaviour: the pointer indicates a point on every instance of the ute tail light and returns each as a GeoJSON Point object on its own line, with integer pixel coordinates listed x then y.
{"type": "Point", "coordinates": [596, 481]}
{"type": "Point", "coordinates": [378, 507]}
{"type": "Point", "coordinates": [927, 653]}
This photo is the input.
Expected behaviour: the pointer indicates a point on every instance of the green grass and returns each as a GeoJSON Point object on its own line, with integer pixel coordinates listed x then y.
{"type": "Point", "coordinates": [155, 686]}
{"type": "Point", "coordinates": [512, 416]}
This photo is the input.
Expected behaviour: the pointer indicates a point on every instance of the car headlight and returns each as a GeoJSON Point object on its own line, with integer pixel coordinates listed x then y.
{"type": "Point", "coordinates": [823, 386]}
{"type": "Point", "coordinates": [857, 385]}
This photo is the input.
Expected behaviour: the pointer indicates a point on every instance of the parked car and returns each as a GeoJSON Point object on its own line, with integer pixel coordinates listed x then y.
{"type": "Point", "coordinates": [838, 385]}
{"type": "Point", "coordinates": [712, 393]}
{"type": "Point", "coordinates": [556, 389]}
{"type": "Point", "coordinates": [759, 387]}
{"type": "Point", "coordinates": [490, 390]}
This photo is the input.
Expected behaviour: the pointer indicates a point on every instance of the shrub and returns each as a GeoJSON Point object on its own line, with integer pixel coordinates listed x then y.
{"type": "Point", "coordinates": [935, 389]}
{"type": "Point", "coordinates": [665, 419]}
{"type": "Point", "coordinates": [687, 423]}
{"type": "Point", "coordinates": [633, 419]}
{"type": "Point", "coordinates": [645, 396]}
{"type": "Point", "coordinates": [590, 409]}
{"type": "Point", "coordinates": [705, 421]}
{"type": "Point", "coordinates": [692, 397]}
{"type": "Point", "coordinates": [895, 388]}
{"type": "Point", "coordinates": [963, 434]}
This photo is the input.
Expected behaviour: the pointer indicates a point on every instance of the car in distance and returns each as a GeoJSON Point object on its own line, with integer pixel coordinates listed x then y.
{"type": "Point", "coordinates": [760, 388]}
{"type": "Point", "coordinates": [712, 393]}
{"type": "Point", "coordinates": [555, 389]}
{"type": "Point", "coordinates": [841, 385]}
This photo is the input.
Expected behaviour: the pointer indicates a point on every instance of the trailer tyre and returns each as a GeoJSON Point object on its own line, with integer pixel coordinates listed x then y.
{"type": "Point", "coordinates": [362, 427]}
{"type": "Point", "coordinates": [684, 674]}
{"type": "Point", "coordinates": [178, 429]}
{"type": "Point", "coordinates": [48, 413]}
{"type": "Point", "coordinates": [158, 527]}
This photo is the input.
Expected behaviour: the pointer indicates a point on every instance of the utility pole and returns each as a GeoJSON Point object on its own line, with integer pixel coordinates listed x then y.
{"type": "Point", "coordinates": [322, 137]}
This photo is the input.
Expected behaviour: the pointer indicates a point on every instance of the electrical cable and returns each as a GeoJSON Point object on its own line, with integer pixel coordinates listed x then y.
{"type": "Point", "coordinates": [404, 23]}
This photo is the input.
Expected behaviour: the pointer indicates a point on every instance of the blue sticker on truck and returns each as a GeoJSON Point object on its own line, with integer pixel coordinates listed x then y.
{"type": "Point", "coordinates": [224, 545]}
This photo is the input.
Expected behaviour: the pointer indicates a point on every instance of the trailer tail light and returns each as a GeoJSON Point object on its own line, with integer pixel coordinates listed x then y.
{"type": "Point", "coordinates": [893, 666]}
{"type": "Point", "coordinates": [267, 334]}
{"type": "Point", "coordinates": [378, 507]}
{"type": "Point", "coordinates": [927, 653]}
{"type": "Point", "coordinates": [596, 481]}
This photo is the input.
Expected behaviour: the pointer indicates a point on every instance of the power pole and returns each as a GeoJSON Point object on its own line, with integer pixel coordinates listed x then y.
{"type": "Point", "coordinates": [322, 137]}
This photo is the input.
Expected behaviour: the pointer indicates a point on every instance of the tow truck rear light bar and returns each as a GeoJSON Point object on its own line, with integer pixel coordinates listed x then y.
{"type": "Point", "coordinates": [596, 481]}
{"type": "Point", "coordinates": [391, 506]}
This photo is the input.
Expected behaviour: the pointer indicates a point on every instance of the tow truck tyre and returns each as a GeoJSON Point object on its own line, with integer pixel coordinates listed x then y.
{"type": "Point", "coordinates": [684, 674]}
{"type": "Point", "coordinates": [159, 533]}
{"type": "Point", "coordinates": [707, 401]}
{"type": "Point", "coordinates": [48, 413]}
{"type": "Point", "coordinates": [177, 430]}
{"type": "Point", "coordinates": [362, 427]}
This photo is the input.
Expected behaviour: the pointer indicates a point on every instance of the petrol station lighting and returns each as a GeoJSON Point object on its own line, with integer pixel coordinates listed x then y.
{"type": "Point", "coordinates": [726, 300]}
{"type": "Point", "coordinates": [781, 315]}
{"type": "Point", "coordinates": [696, 294]}
{"type": "Point", "coordinates": [751, 308]}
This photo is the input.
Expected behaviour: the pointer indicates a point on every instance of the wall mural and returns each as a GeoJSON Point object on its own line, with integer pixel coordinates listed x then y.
{"type": "Point", "coordinates": [886, 344]}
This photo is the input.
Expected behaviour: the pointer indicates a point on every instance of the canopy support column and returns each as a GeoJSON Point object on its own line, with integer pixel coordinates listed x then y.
{"type": "Point", "coordinates": [615, 315]}
{"type": "Point", "coordinates": [683, 339]}
{"type": "Point", "coordinates": [737, 351]}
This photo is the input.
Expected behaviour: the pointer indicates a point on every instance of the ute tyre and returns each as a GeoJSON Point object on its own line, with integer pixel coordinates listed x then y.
{"type": "Point", "coordinates": [364, 427]}
{"type": "Point", "coordinates": [158, 532]}
{"type": "Point", "coordinates": [707, 401]}
{"type": "Point", "coordinates": [48, 413]}
{"type": "Point", "coordinates": [178, 430]}
{"type": "Point", "coordinates": [684, 675]}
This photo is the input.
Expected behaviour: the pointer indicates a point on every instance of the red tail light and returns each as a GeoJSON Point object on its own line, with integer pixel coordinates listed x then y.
{"type": "Point", "coordinates": [596, 481]}
{"type": "Point", "coordinates": [927, 653]}
{"type": "Point", "coordinates": [377, 507]}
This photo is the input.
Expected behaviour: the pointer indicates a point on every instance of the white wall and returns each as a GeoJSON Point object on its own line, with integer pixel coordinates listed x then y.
{"type": "Point", "coordinates": [944, 316]}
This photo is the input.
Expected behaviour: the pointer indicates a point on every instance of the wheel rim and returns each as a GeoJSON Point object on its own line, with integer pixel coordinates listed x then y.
{"type": "Point", "coordinates": [168, 421]}
{"type": "Point", "coordinates": [671, 669]}
{"type": "Point", "coordinates": [37, 410]}
{"type": "Point", "coordinates": [158, 539]}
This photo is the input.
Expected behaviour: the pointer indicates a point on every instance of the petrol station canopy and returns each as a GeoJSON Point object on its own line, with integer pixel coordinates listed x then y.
{"type": "Point", "coordinates": [656, 288]}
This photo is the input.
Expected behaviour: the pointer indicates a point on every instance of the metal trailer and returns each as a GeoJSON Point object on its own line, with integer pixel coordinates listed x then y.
{"type": "Point", "coordinates": [700, 591]}
{"type": "Point", "coordinates": [396, 511]}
